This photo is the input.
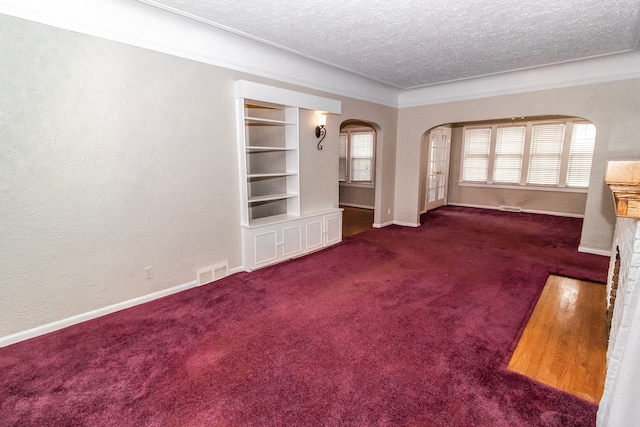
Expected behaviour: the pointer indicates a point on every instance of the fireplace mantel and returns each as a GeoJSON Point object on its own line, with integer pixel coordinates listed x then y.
{"type": "Point", "coordinates": [623, 177]}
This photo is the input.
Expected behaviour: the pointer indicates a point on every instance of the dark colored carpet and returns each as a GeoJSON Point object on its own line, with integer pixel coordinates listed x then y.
{"type": "Point", "coordinates": [394, 327]}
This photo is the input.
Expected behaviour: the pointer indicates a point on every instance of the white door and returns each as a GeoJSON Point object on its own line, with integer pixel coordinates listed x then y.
{"type": "Point", "coordinates": [438, 168]}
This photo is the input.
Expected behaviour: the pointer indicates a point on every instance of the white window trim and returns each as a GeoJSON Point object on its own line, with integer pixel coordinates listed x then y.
{"type": "Point", "coordinates": [523, 185]}
{"type": "Point", "coordinates": [528, 187]}
{"type": "Point", "coordinates": [361, 184]}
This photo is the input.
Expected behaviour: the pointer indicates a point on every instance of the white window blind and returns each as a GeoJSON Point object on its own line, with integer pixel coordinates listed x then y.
{"type": "Point", "coordinates": [581, 155]}
{"type": "Point", "coordinates": [508, 158]}
{"type": "Point", "coordinates": [357, 156]}
{"type": "Point", "coordinates": [546, 154]}
{"type": "Point", "coordinates": [550, 153]}
{"type": "Point", "coordinates": [342, 156]}
{"type": "Point", "coordinates": [477, 142]}
{"type": "Point", "coordinates": [361, 156]}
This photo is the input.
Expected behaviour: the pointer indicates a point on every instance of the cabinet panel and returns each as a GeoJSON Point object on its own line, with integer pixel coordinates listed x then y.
{"type": "Point", "coordinates": [270, 243]}
{"type": "Point", "coordinates": [265, 247]}
{"type": "Point", "coordinates": [314, 234]}
{"type": "Point", "coordinates": [333, 226]}
{"type": "Point", "coordinates": [291, 241]}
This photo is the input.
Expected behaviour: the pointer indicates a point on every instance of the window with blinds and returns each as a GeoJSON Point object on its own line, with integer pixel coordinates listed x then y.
{"type": "Point", "coordinates": [342, 156]}
{"type": "Point", "coordinates": [583, 140]}
{"type": "Point", "coordinates": [546, 154]}
{"type": "Point", "coordinates": [476, 154]}
{"type": "Point", "coordinates": [537, 153]}
{"type": "Point", "coordinates": [508, 158]}
{"type": "Point", "coordinates": [357, 156]}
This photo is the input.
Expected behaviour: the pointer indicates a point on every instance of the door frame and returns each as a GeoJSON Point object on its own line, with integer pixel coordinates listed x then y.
{"type": "Point", "coordinates": [425, 165]}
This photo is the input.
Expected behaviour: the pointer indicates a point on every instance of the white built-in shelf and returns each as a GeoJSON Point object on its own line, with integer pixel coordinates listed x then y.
{"type": "Point", "coordinates": [275, 219]}
{"type": "Point", "coordinates": [271, 197]}
{"type": "Point", "coordinates": [261, 121]}
{"type": "Point", "coordinates": [264, 148]}
{"type": "Point", "coordinates": [269, 160]}
{"type": "Point", "coordinates": [271, 175]}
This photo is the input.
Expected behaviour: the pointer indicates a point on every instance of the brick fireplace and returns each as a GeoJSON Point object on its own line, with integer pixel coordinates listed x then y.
{"type": "Point", "coordinates": [623, 177]}
{"type": "Point", "coordinates": [623, 274]}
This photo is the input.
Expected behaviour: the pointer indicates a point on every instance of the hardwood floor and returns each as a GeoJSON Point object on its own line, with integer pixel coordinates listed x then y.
{"type": "Point", "coordinates": [356, 220]}
{"type": "Point", "coordinates": [564, 342]}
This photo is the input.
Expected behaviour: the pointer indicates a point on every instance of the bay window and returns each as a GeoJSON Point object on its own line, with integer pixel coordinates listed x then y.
{"type": "Point", "coordinates": [550, 154]}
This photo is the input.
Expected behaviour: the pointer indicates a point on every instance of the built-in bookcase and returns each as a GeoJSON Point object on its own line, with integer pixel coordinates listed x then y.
{"type": "Point", "coordinates": [273, 226]}
{"type": "Point", "coordinates": [271, 158]}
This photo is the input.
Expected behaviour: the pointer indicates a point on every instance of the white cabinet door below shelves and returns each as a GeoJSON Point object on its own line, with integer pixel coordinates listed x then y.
{"type": "Point", "coordinates": [274, 243]}
{"type": "Point", "coordinates": [333, 228]}
{"type": "Point", "coordinates": [291, 240]}
{"type": "Point", "coordinates": [265, 247]}
{"type": "Point", "coordinates": [314, 236]}
{"type": "Point", "coordinates": [271, 243]}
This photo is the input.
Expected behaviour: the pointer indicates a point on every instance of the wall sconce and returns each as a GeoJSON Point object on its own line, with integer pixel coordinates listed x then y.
{"type": "Point", "coordinates": [320, 129]}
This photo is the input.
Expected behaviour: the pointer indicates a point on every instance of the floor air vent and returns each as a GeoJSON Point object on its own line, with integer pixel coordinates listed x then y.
{"type": "Point", "coordinates": [510, 208]}
{"type": "Point", "coordinates": [213, 273]}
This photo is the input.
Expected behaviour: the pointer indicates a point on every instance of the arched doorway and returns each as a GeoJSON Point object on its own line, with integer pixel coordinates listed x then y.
{"type": "Point", "coordinates": [357, 177]}
{"type": "Point", "coordinates": [536, 164]}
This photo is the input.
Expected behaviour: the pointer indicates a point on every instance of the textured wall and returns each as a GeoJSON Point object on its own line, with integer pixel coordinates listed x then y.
{"type": "Point", "coordinates": [357, 196]}
{"type": "Point", "coordinates": [115, 158]}
{"type": "Point", "coordinates": [613, 107]}
{"type": "Point", "coordinates": [385, 121]}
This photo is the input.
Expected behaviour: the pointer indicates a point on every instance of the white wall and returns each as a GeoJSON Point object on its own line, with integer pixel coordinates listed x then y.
{"type": "Point", "coordinates": [613, 107]}
{"type": "Point", "coordinates": [113, 159]}
{"type": "Point", "coordinates": [360, 197]}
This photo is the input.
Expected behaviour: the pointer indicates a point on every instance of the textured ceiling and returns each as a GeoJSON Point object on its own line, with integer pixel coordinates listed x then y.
{"type": "Point", "coordinates": [412, 43]}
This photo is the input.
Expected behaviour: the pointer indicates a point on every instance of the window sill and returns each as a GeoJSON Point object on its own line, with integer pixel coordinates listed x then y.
{"type": "Point", "coordinates": [524, 187]}
{"type": "Point", "coordinates": [356, 184]}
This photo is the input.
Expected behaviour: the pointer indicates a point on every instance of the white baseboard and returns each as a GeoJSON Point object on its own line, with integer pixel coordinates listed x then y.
{"type": "Point", "coordinates": [594, 251]}
{"type": "Point", "coordinates": [533, 211]}
{"type": "Point", "coordinates": [73, 320]}
{"type": "Point", "coordinates": [407, 224]}
{"type": "Point", "coordinates": [384, 224]}
{"type": "Point", "coordinates": [569, 215]}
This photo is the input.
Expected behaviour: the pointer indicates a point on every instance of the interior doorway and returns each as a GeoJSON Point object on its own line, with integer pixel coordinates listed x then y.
{"type": "Point", "coordinates": [437, 147]}
{"type": "Point", "coordinates": [356, 220]}
{"type": "Point", "coordinates": [357, 186]}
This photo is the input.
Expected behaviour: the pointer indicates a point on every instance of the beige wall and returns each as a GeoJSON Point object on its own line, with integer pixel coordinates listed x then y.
{"type": "Point", "coordinates": [115, 158]}
{"type": "Point", "coordinates": [613, 107]}
{"type": "Point", "coordinates": [363, 197]}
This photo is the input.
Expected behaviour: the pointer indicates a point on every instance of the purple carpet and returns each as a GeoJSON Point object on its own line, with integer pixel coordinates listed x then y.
{"type": "Point", "coordinates": [393, 327]}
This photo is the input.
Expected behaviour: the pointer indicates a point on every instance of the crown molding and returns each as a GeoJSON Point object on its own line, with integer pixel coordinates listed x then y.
{"type": "Point", "coordinates": [621, 66]}
{"type": "Point", "coordinates": [140, 24]}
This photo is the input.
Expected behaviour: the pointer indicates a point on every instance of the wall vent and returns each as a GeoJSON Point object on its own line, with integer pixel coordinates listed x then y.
{"type": "Point", "coordinates": [510, 208]}
{"type": "Point", "coordinates": [212, 273]}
